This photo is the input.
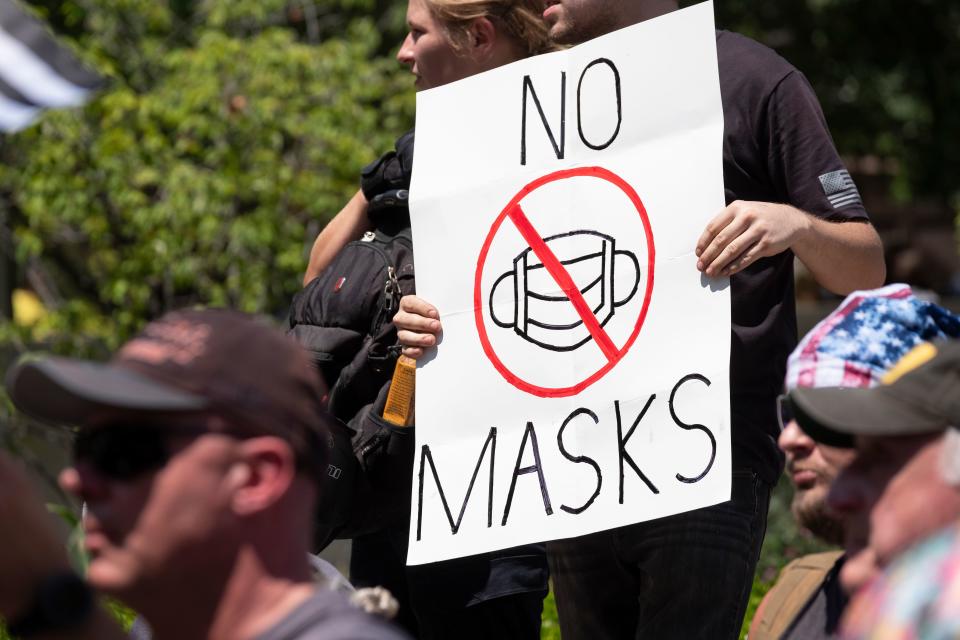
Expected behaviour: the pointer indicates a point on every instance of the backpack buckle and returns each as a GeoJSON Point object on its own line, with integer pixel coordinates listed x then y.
{"type": "Point", "coordinates": [391, 290]}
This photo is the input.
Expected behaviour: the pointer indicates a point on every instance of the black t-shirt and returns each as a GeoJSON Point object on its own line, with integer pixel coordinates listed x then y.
{"type": "Point", "coordinates": [776, 148]}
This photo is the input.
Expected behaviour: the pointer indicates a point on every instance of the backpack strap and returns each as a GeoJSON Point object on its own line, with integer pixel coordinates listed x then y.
{"type": "Point", "coordinates": [386, 184]}
{"type": "Point", "coordinates": [798, 582]}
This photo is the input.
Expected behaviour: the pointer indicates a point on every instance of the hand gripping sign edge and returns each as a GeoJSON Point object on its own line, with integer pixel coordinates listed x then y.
{"type": "Point", "coordinates": [613, 354]}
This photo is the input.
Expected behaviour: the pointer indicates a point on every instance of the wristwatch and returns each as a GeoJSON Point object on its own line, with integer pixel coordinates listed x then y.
{"type": "Point", "coordinates": [62, 601]}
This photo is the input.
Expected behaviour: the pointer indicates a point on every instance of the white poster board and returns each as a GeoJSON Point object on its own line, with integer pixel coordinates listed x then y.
{"type": "Point", "coordinates": [582, 379]}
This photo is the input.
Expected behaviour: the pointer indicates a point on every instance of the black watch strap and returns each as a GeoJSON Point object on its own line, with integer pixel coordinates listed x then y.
{"type": "Point", "coordinates": [61, 602]}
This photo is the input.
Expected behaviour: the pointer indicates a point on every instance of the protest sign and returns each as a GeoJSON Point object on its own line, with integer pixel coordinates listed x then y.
{"type": "Point", "coordinates": [581, 382]}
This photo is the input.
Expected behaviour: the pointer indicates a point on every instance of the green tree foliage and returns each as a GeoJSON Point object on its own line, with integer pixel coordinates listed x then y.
{"type": "Point", "coordinates": [885, 72]}
{"type": "Point", "coordinates": [230, 133]}
{"type": "Point", "coordinates": [233, 129]}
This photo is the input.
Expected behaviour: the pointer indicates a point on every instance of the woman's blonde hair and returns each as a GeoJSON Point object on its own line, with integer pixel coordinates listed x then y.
{"type": "Point", "coordinates": [522, 20]}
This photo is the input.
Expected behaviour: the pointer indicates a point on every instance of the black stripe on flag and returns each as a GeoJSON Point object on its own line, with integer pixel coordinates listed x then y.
{"type": "Point", "coordinates": [840, 189]}
{"type": "Point", "coordinates": [36, 72]}
{"type": "Point", "coordinates": [33, 35]}
{"type": "Point", "coordinates": [12, 94]}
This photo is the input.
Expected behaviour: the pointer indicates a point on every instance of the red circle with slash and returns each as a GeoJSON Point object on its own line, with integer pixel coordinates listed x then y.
{"type": "Point", "coordinates": [558, 272]}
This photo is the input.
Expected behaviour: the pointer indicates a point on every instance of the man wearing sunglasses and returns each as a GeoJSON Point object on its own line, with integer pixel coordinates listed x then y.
{"type": "Point", "coordinates": [199, 452]}
{"type": "Point", "coordinates": [902, 485]}
{"type": "Point", "coordinates": [853, 347]}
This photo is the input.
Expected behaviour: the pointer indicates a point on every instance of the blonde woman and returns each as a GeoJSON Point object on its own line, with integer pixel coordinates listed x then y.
{"type": "Point", "coordinates": [448, 40]}
{"type": "Point", "coordinates": [497, 595]}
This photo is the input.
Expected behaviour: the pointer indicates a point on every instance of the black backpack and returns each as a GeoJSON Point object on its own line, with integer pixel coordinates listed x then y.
{"type": "Point", "coordinates": [343, 318]}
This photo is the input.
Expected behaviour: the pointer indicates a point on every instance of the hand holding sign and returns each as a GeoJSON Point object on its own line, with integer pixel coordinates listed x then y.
{"type": "Point", "coordinates": [744, 232]}
{"type": "Point", "coordinates": [584, 383]}
{"type": "Point", "coordinates": [417, 325]}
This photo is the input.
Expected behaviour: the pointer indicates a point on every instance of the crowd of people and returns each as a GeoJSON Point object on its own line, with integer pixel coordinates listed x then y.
{"type": "Point", "coordinates": [214, 455]}
{"type": "Point", "coordinates": [853, 348]}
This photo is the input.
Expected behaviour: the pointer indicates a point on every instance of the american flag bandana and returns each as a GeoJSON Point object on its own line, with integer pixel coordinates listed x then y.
{"type": "Point", "coordinates": [865, 336]}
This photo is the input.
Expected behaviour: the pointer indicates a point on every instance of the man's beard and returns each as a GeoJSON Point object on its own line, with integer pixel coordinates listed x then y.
{"type": "Point", "coordinates": [575, 30]}
{"type": "Point", "coordinates": [813, 515]}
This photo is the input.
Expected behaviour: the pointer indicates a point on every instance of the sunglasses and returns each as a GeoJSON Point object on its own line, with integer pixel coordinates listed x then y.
{"type": "Point", "coordinates": [123, 452]}
{"type": "Point", "coordinates": [784, 411]}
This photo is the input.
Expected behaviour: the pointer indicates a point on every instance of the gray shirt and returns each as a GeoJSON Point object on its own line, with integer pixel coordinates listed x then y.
{"type": "Point", "coordinates": [327, 615]}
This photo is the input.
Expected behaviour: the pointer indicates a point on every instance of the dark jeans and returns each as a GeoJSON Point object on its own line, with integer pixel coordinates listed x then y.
{"type": "Point", "coordinates": [511, 617]}
{"type": "Point", "coordinates": [495, 595]}
{"type": "Point", "coordinates": [684, 576]}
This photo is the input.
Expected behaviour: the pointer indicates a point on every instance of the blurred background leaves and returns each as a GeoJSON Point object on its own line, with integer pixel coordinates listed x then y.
{"type": "Point", "coordinates": [233, 130]}
{"type": "Point", "coordinates": [230, 133]}
{"type": "Point", "coordinates": [886, 71]}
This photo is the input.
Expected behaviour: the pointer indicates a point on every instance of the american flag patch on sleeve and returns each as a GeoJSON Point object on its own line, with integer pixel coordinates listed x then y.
{"type": "Point", "coordinates": [840, 189]}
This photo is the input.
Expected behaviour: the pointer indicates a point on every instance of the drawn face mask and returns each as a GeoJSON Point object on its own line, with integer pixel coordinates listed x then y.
{"type": "Point", "coordinates": [543, 313]}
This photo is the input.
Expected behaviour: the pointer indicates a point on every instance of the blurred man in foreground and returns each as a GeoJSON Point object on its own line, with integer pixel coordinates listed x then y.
{"type": "Point", "coordinates": [852, 347]}
{"type": "Point", "coordinates": [918, 596]}
{"type": "Point", "coordinates": [200, 449]}
{"type": "Point", "coordinates": [901, 487]}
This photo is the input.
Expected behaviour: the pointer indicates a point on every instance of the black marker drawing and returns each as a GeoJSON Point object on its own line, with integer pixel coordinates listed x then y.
{"type": "Point", "coordinates": [546, 317]}
{"type": "Point", "coordinates": [560, 148]}
{"type": "Point", "coordinates": [697, 427]}
{"type": "Point", "coordinates": [616, 83]}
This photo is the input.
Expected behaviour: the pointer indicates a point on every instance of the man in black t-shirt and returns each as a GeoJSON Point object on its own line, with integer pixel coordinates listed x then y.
{"type": "Point", "coordinates": [788, 194]}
